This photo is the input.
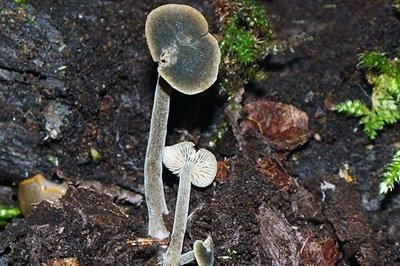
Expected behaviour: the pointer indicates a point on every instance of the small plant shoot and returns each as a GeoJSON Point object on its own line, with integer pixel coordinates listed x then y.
{"type": "Point", "coordinates": [384, 75]}
{"type": "Point", "coordinates": [391, 175]}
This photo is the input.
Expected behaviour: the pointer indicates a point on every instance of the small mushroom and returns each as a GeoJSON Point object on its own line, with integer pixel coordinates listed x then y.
{"type": "Point", "coordinates": [198, 168]}
{"type": "Point", "coordinates": [203, 253]}
{"type": "Point", "coordinates": [33, 190]}
{"type": "Point", "coordinates": [188, 60]}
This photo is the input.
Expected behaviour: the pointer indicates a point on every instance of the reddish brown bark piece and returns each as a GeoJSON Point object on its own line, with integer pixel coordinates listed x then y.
{"type": "Point", "coordinates": [284, 125]}
{"type": "Point", "coordinates": [275, 173]}
{"type": "Point", "coordinates": [317, 251]}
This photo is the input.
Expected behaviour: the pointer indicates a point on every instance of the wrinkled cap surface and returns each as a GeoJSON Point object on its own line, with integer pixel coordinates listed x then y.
{"type": "Point", "coordinates": [203, 163]}
{"type": "Point", "coordinates": [178, 39]}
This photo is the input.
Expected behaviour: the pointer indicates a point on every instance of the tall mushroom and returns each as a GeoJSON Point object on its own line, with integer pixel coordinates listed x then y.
{"type": "Point", "coordinates": [188, 59]}
{"type": "Point", "coordinates": [198, 168]}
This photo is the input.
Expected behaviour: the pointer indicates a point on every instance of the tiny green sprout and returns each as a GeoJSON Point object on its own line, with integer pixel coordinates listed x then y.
{"type": "Point", "coordinates": [230, 254]}
{"type": "Point", "coordinates": [95, 153]}
{"type": "Point", "coordinates": [7, 213]}
{"type": "Point", "coordinates": [53, 159]}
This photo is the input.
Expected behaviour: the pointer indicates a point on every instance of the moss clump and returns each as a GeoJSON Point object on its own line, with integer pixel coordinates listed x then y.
{"type": "Point", "coordinates": [246, 38]}
{"type": "Point", "coordinates": [247, 33]}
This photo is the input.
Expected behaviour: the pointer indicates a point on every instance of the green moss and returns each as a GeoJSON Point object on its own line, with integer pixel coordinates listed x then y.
{"type": "Point", "coordinates": [246, 36]}
{"type": "Point", "coordinates": [245, 40]}
{"type": "Point", "coordinates": [240, 43]}
{"type": "Point", "coordinates": [96, 155]}
{"type": "Point", "coordinates": [247, 33]}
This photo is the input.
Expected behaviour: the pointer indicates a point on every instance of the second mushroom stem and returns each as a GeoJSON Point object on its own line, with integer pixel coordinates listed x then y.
{"type": "Point", "coordinates": [172, 256]}
{"type": "Point", "coordinates": [153, 183]}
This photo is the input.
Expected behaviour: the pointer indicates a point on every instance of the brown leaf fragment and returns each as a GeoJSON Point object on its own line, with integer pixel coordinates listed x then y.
{"type": "Point", "coordinates": [275, 173]}
{"type": "Point", "coordinates": [285, 126]}
{"type": "Point", "coordinates": [222, 171]}
{"type": "Point", "coordinates": [316, 251]}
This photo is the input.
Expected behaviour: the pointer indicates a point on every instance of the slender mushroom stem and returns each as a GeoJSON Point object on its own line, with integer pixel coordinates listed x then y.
{"type": "Point", "coordinates": [186, 258]}
{"type": "Point", "coordinates": [153, 184]}
{"type": "Point", "coordinates": [173, 254]}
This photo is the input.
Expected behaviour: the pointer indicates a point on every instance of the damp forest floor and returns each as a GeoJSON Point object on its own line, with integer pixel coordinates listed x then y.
{"type": "Point", "coordinates": [76, 76]}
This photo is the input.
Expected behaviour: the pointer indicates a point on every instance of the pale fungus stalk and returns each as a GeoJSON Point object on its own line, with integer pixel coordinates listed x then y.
{"type": "Point", "coordinates": [155, 199]}
{"type": "Point", "coordinates": [198, 168]}
{"type": "Point", "coordinates": [188, 60]}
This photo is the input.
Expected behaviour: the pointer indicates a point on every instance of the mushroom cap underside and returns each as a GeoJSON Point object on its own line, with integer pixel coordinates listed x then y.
{"type": "Point", "coordinates": [203, 162]}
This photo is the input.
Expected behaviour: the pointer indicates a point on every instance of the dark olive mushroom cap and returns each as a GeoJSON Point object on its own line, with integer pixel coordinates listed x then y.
{"type": "Point", "coordinates": [178, 39]}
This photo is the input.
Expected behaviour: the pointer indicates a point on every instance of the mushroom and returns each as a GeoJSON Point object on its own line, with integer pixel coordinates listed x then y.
{"type": "Point", "coordinates": [203, 253]}
{"type": "Point", "coordinates": [34, 190]}
{"type": "Point", "coordinates": [198, 168]}
{"type": "Point", "coordinates": [188, 59]}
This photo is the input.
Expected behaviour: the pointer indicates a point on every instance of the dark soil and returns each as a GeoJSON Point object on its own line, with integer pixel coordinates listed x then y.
{"type": "Point", "coordinates": [77, 75]}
